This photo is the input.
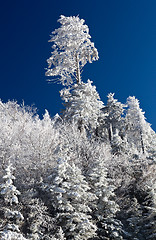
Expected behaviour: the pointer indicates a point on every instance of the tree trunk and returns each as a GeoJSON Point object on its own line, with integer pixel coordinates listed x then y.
{"type": "Point", "coordinates": [142, 143]}
{"type": "Point", "coordinates": [110, 133]}
{"type": "Point", "coordinates": [78, 74]}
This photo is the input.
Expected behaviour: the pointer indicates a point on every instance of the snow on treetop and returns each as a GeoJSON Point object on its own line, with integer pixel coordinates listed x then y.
{"type": "Point", "coordinates": [72, 49]}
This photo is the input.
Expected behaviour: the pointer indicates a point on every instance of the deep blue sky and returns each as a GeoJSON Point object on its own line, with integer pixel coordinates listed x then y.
{"type": "Point", "coordinates": [124, 32]}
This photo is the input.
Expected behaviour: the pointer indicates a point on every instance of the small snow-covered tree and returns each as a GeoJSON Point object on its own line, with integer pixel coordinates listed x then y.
{"type": "Point", "coordinates": [149, 217]}
{"type": "Point", "coordinates": [119, 145]}
{"type": "Point", "coordinates": [138, 129]}
{"type": "Point", "coordinates": [104, 207]}
{"type": "Point", "coordinates": [113, 119]}
{"type": "Point", "coordinates": [39, 221]}
{"type": "Point", "coordinates": [151, 148]}
{"type": "Point", "coordinates": [12, 219]}
{"type": "Point", "coordinates": [134, 217]}
{"type": "Point", "coordinates": [8, 190]}
{"type": "Point", "coordinates": [136, 199]}
{"type": "Point", "coordinates": [72, 49]}
{"type": "Point", "coordinates": [70, 197]}
{"type": "Point", "coordinates": [82, 106]}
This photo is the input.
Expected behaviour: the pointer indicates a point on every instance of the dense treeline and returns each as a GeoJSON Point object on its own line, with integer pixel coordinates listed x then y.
{"type": "Point", "coordinates": [88, 173]}
{"type": "Point", "coordinates": [76, 176]}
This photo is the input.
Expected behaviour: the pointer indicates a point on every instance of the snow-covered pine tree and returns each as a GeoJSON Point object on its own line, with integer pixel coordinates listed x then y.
{"type": "Point", "coordinates": [70, 198]}
{"type": "Point", "coordinates": [134, 217]}
{"type": "Point", "coordinates": [149, 216]}
{"type": "Point", "coordinates": [151, 149]}
{"type": "Point", "coordinates": [8, 190]}
{"type": "Point", "coordinates": [39, 221]}
{"type": "Point", "coordinates": [82, 106]}
{"type": "Point", "coordinates": [113, 117]}
{"type": "Point", "coordinates": [119, 145]}
{"type": "Point", "coordinates": [12, 219]}
{"type": "Point", "coordinates": [137, 129]}
{"type": "Point", "coordinates": [137, 200]}
{"type": "Point", "coordinates": [104, 207]}
{"type": "Point", "coordinates": [72, 49]}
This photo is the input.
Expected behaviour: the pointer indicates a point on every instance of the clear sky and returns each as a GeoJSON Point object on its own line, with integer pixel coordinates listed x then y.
{"type": "Point", "coordinates": [124, 32]}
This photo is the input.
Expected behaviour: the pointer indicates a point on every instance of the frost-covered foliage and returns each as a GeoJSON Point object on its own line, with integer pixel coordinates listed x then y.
{"type": "Point", "coordinates": [70, 200]}
{"type": "Point", "coordinates": [9, 235]}
{"type": "Point", "coordinates": [72, 49]}
{"type": "Point", "coordinates": [104, 206]}
{"type": "Point", "coordinates": [12, 219]}
{"type": "Point", "coordinates": [113, 117]}
{"type": "Point", "coordinates": [59, 235]}
{"type": "Point", "coordinates": [138, 130]}
{"type": "Point", "coordinates": [88, 173]}
{"type": "Point", "coordinates": [123, 198]}
{"type": "Point", "coordinates": [8, 190]}
{"type": "Point", "coordinates": [149, 217]}
{"type": "Point", "coordinates": [82, 106]}
{"type": "Point", "coordinates": [26, 140]}
{"type": "Point", "coordinates": [40, 221]}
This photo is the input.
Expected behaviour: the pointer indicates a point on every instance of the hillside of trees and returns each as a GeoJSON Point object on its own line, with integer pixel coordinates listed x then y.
{"type": "Point", "coordinates": [86, 173]}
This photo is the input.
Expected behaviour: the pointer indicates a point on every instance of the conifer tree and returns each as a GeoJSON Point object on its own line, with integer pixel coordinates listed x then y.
{"type": "Point", "coordinates": [104, 207]}
{"type": "Point", "coordinates": [134, 217]}
{"type": "Point", "coordinates": [119, 145]}
{"type": "Point", "coordinates": [149, 217]}
{"type": "Point", "coordinates": [39, 220]}
{"type": "Point", "coordinates": [82, 106]}
{"type": "Point", "coordinates": [151, 149]}
{"type": "Point", "coordinates": [70, 198]}
{"type": "Point", "coordinates": [137, 201]}
{"type": "Point", "coordinates": [138, 130]}
{"type": "Point", "coordinates": [113, 120]}
{"type": "Point", "coordinates": [13, 218]}
{"type": "Point", "coordinates": [8, 190]}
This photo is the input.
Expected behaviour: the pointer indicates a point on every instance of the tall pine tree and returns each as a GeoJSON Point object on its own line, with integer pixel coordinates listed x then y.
{"type": "Point", "coordinates": [72, 49]}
